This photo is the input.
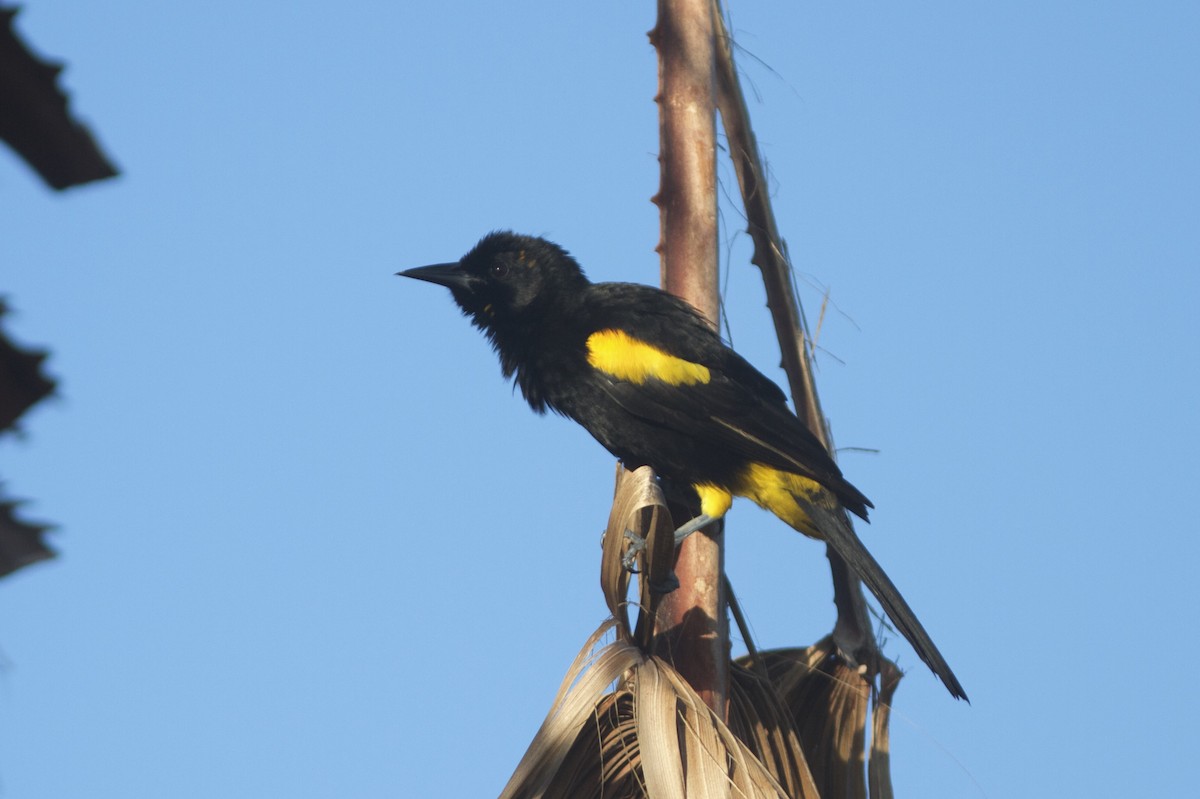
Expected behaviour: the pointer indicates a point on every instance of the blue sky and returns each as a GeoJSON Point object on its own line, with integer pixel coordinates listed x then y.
{"type": "Point", "coordinates": [312, 544]}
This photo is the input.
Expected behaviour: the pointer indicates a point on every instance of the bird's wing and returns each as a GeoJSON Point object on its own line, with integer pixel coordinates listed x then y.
{"type": "Point", "coordinates": [667, 367]}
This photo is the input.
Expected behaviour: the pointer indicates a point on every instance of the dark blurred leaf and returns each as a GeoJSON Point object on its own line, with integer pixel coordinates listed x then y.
{"type": "Point", "coordinates": [21, 380]}
{"type": "Point", "coordinates": [20, 542]}
{"type": "Point", "coordinates": [22, 384]}
{"type": "Point", "coordinates": [35, 118]}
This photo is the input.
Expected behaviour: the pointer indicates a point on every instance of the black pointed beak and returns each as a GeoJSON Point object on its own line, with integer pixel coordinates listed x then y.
{"type": "Point", "coordinates": [451, 276]}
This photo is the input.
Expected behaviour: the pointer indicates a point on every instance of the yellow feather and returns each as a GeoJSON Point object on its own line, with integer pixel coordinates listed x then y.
{"type": "Point", "coordinates": [620, 355]}
{"type": "Point", "coordinates": [714, 500]}
{"type": "Point", "coordinates": [783, 493]}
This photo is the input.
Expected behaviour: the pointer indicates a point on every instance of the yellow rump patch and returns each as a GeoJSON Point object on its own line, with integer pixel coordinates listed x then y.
{"type": "Point", "coordinates": [783, 493]}
{"type": "Point", "coordinates": [619, 354]}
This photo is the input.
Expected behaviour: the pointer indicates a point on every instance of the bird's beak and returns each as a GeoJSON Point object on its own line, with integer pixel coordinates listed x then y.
{"type": "Point", "coordinates": [451, 276]}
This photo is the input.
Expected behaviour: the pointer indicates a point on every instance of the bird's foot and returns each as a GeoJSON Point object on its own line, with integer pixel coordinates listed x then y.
{"type": "Point", "coordinates": [638, 544]}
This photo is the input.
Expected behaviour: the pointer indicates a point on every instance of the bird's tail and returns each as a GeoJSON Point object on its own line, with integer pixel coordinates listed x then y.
{"type": "Point", "coordinates": [810, 508]}
{"type": "Point", "coordinates": [836, 530]}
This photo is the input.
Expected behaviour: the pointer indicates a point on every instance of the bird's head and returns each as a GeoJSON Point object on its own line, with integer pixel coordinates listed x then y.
{"type": "Point", "coordinates": [505, 277]}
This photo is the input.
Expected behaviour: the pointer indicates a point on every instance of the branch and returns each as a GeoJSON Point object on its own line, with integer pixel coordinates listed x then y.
{"type": "Point", "coordinates": [694, 617]}
{"type": "Point", "coordinates": [853, 632]}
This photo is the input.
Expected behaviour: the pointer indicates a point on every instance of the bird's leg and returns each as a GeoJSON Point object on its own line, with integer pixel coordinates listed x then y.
{"type": "Point", "coordinates": [703, 520]}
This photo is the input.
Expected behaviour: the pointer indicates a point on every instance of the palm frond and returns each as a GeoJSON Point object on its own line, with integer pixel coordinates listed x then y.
{"type": "Point", "coordinates": [624, 723]}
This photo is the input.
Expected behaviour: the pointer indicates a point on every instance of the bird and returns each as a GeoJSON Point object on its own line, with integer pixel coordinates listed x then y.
{"type": "Point", "coordinates": [644, 373]}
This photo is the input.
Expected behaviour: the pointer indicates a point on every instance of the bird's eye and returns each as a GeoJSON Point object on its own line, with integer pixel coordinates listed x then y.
{"type": "Point", "coordinates": [499, 270]}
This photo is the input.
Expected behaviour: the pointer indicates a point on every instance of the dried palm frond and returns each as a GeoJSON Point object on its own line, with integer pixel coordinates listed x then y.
{"type": "Point", "coordinates": [650, 735]}
{"type": "Point", "coordinates": [625, 724]}
{"type": "Point", "coordinates": [764, 723]}
{"type": "Point", "coordinates": [879, 766]}
{"type": "Point", "coordinates": [828, 699]}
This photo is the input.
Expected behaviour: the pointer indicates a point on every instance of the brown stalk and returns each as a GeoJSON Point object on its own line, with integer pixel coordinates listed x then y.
{"type": "Point", "coordinates": [693, 618]}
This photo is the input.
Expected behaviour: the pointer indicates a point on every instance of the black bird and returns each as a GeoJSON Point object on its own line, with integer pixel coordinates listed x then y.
{"type": "Point", "coordinates": [643, 372]}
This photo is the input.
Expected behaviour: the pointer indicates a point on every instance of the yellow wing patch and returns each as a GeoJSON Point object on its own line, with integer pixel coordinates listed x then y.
{"type": "Point", "coordinates": [622, 356]}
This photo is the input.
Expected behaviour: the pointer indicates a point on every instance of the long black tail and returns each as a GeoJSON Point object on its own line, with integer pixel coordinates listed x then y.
{"type": "Point", "coordinates": [837, 532]}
